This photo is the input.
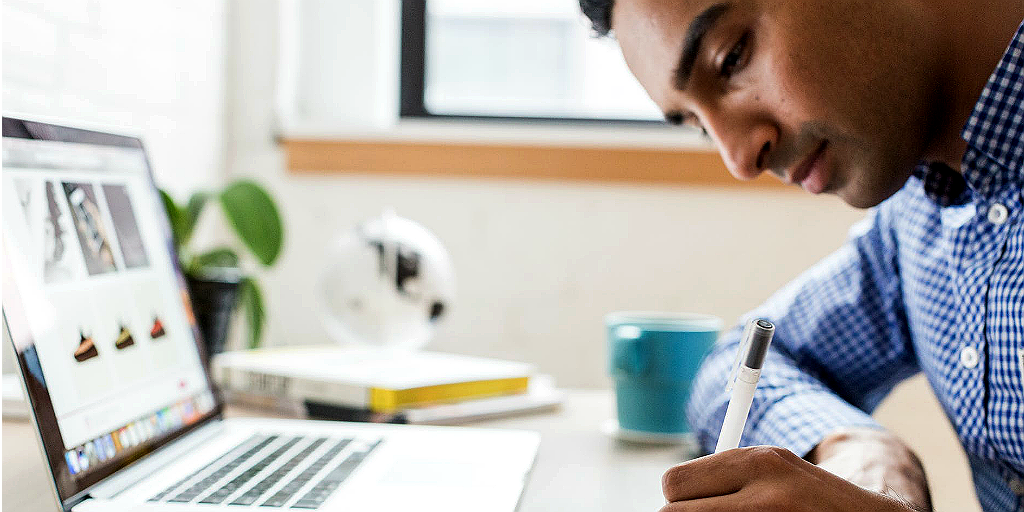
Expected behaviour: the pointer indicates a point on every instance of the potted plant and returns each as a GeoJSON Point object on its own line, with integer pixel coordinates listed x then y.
{"type": "Point", "coordinates": [215, 278]}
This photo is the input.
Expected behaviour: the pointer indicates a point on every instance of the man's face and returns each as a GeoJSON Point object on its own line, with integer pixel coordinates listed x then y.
{"type": "Point", "coordinates": [834, 95]}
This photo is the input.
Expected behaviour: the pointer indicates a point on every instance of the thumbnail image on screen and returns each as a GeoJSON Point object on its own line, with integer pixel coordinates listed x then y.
{"type": "Point", "coordinates": [58, 255]}
{"type": "Point", "coordinates": [125, 226]}
{"type": "Point", "coordinates": [92, 233]}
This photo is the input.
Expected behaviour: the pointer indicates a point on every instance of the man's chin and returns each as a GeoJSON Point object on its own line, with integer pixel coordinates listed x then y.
{"type": "Point", "coordinates": [866, 196]}
{"type": "Point", "coordinates": [857, 201]}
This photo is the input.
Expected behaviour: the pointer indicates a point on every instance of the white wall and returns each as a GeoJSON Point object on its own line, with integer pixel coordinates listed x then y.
{"type": "Point", "coordinates": [537, 263]}
{"type": "Point", "coordinates": [155, 68]}
{"type": "Point", "coordinates": [149, 68]}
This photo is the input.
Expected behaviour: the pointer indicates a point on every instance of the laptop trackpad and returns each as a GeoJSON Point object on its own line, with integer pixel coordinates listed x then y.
{"type": "Point", "coordinates": [412, 471]}
{"type": "Point", "coordinates": [460, 461]}
{"type": "Point", "coordinates": [447, 471]}
{"type": "Point", "coordinates": [446, 486]}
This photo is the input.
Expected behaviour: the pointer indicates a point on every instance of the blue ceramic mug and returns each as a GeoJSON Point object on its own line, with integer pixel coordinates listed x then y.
{"type": "Point", "coordinates": [653, 358]}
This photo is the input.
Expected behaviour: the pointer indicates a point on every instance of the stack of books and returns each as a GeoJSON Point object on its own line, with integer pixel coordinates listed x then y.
{"type": "Point", "coordinates": [366, 384]}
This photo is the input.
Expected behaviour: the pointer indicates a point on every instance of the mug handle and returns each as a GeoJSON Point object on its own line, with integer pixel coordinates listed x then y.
{"type": "Point", "coordinates": [627, 356]}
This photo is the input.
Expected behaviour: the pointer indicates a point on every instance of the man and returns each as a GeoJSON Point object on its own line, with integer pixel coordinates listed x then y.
{"type": "Point", "coordinates": [913, 106]}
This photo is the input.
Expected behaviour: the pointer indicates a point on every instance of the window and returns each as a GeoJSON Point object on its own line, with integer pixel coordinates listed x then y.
{"type": "Point", "coordinates": [532, 59]}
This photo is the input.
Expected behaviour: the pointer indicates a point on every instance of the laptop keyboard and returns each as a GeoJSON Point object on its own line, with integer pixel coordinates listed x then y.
{"type": "Point", "coordinates": [259, 490]}
{"type": "Point", "coordinates": [310, 474]}
{"type": "Point", "coordinates": [224, 469]}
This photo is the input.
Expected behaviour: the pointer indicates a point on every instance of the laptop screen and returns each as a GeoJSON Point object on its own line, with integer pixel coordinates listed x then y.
{"type": "Point", "coordinates": [95, 302]}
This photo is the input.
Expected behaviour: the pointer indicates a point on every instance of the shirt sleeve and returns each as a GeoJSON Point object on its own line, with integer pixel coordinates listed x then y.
{"type": "Point", "coordinates": [841, 344]}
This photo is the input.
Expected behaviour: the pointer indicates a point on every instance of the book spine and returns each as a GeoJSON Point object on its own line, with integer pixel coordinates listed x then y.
{"type": "Point", "coordinates": [292, 388]}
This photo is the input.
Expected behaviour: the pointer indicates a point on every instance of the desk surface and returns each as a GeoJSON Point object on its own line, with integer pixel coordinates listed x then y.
{"type": "Point", "coordinates": [577, 467]}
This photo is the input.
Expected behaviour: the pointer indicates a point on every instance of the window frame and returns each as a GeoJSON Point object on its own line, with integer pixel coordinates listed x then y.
{"type": "Point", "coordinates": [412, 79]}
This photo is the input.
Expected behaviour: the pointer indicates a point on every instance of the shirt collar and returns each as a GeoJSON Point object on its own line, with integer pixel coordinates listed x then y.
{"type": "Point", "coordinates": [995, 129]}
{"type": "Point", "coordinates": [942, 184]}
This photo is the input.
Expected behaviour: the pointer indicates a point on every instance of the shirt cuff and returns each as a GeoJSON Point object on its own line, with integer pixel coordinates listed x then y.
{"type": "Point", "coordinates": [800, 421]}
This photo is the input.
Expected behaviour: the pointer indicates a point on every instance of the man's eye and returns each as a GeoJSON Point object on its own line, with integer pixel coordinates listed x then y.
{"type": "Point", "coordinates": [732, 59]}
{"type": "Point", "coordinates": [686, 119]}
{"type": "Point", "coordinates": [691, 120]}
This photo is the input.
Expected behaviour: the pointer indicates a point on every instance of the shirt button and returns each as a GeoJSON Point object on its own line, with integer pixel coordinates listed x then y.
{"type": "Point", "coordinates": [997, 214]}
{"type": "Point", "coordinates": [1017, 486]}
{"type": "Point", "coordinates": [969, 357]}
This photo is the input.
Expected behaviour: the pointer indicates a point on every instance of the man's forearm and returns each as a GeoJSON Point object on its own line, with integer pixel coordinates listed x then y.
{"type": "Point", "coordinates": [876, 460]}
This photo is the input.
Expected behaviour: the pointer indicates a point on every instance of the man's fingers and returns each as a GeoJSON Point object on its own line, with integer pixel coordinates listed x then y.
{"type": "Point", "coordinates": [722, 473]}
{"type": "Point", "coordinates": [727, 503]}
{"type": "Point", "coordinates": [708, 476]}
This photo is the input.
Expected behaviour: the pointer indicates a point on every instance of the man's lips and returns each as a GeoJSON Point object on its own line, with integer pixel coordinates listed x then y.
{"type": "Point", "coordinates": [802, 171]}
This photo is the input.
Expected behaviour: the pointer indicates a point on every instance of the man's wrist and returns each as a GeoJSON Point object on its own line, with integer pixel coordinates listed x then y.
{"type": "Point", "coordinates": [876, 460]}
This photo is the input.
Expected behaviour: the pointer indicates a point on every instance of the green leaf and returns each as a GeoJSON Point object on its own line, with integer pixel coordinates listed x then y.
{"type": "Point", "coordinates": [220, 257]}
{"type": "Point", "coordinates": [254, 216]}
{"type": "Point", "coordinates": [174, 215]}
{"type": "Point", "coordinates": [190, 215]}
{"type": "Point", "coordinates": [252, 305]}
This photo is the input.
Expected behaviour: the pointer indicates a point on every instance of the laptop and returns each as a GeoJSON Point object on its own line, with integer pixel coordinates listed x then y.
{"type": "Point", "coordinates": [128, 419]}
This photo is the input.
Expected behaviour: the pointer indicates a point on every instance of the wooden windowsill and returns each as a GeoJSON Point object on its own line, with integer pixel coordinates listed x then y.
{"type": "Point", "coordinates": [525, 160]}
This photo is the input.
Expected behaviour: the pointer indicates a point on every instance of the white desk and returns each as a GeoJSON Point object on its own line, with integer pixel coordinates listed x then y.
{"type": "Point", "coordinates": [577, 468]}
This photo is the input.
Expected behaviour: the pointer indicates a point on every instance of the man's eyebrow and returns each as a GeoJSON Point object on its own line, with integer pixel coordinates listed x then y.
{"type": "Point", "coordinates": [691, 43]}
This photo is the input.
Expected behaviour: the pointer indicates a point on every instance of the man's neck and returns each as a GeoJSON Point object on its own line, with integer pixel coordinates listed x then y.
{"type": "Point", "coordinates": [976, 36]}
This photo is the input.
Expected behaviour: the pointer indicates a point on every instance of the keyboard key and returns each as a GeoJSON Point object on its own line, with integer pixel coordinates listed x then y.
{"type": "Point", "coordinates": [276, 501]}
{"type": "Point", "coordinates": [247, 499]}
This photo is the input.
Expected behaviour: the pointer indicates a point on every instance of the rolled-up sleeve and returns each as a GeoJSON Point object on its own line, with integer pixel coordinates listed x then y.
{"type": "Point", "coordinates": [841, 344]}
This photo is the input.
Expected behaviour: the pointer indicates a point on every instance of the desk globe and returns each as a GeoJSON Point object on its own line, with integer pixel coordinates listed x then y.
{"type": "Point", "coordinates": [387, 284]}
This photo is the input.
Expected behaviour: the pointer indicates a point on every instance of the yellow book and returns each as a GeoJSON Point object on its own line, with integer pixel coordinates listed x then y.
{"type": "Point", "coordinates": [390, 400]}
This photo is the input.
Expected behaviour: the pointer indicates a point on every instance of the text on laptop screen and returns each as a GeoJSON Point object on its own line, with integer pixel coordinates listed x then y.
{"type": "Point", "coordinates": [112, 333]}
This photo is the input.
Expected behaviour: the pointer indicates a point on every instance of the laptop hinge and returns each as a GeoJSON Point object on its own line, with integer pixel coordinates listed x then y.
{"type": "Point", "coordinates": [127, 477]}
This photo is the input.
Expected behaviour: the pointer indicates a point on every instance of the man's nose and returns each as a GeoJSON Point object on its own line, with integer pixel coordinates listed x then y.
{"type": "Point", "coordinates": [746, 149]}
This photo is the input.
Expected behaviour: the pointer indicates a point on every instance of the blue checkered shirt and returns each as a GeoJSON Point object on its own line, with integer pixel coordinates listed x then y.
{"type": "Point", "coordinates": [932, 280]}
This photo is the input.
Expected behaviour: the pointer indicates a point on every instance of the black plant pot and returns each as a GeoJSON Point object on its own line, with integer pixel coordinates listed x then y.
{"type": "Point", "coordinates": [214, 297]}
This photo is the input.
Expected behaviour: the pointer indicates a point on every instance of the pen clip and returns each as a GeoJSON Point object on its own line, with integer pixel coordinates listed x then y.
{"type": "Point", "coordinates": [741, 352]}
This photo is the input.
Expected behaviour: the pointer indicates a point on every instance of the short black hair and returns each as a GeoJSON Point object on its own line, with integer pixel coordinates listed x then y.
{"type": "Point", "coordinates": [600, 14]}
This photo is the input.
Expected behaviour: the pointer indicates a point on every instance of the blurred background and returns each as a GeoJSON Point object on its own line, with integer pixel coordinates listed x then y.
{"type": "Point", "coordinates": [217, 90]}
{"type": "Point", "coordinates": [475, 119]}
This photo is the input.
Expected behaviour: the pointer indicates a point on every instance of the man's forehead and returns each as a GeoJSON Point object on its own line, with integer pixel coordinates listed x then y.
{"type": "Point", "coordinates": [661, 21]}
{"type": "Point", "coordinates": [651, 35]}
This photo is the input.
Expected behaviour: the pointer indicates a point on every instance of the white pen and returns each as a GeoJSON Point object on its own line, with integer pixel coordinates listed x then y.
{"type": "Point", "coordinates": [743, 381]}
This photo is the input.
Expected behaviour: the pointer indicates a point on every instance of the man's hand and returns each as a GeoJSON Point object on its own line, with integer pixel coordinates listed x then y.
{"type": "Point", "coordinates": [766, 478]}
{"type": "Point", "coordinates": [876, 460]}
